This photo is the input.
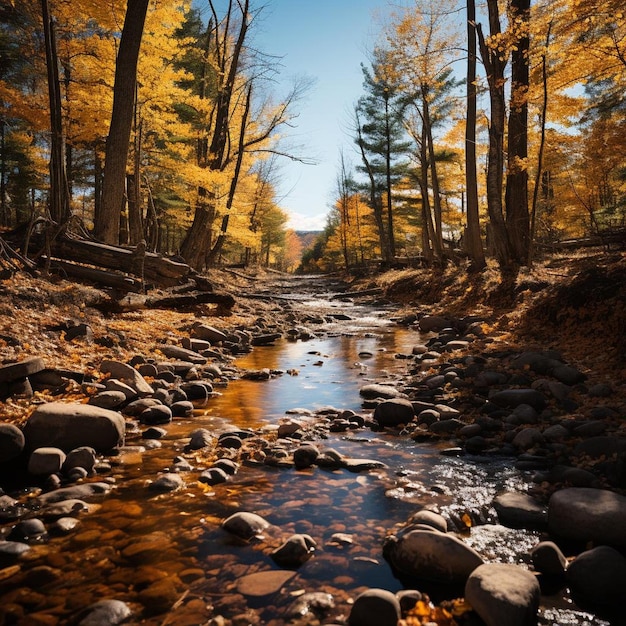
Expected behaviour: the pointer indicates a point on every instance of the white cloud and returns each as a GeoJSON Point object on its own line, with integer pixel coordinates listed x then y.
{"type": "Point", "coordinates": [299, 221]}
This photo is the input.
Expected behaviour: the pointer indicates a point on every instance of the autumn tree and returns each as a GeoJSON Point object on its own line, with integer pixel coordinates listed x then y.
{"type": "Point", "coordinates": [420, 58]}
{"type": "Point", "coordinates": [382, 144]}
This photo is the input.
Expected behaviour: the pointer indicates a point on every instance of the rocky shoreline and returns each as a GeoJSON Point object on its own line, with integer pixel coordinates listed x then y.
{"type": "Point", "coordinates": [464, 391]}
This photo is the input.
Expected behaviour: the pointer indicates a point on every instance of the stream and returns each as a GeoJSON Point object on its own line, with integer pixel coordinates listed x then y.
{"type": "Point", "coordinates": [133, 543]}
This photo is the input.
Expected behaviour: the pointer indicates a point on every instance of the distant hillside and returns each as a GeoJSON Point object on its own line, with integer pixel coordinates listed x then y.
{"type": "Point", "coordinates": [307, 237]}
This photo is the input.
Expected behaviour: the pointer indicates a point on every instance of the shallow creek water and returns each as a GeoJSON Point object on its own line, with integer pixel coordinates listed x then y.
{"type": "Point", "coordinates": [134, 545]}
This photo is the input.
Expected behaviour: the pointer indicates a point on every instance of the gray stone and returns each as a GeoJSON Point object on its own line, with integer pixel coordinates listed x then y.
{"type": "Point", "coordinates": [567, 374]}
{"type": "Point", "coordinates": [432, 555]}
{"type": "Point", "coordinates": [514, 397]}
{"type": "Point", "coordinates": [305, 456]}
{"type": "Point", "coordinates": [245, 525]}
{"type": "Point", "coordinates": [314, 603]}
{"type": "Point", "coordinates": [213, 476]}
{"type": "Point", "coordinates": [527, 438]}
{"type": "Point", "coordinates": [503, 594]}
{"type": "Point", "coordinates": [598, 576]}
{"type": "Point", "coordinates": [12, 442]}
{"type": "Point", "coordinates": [76, 492]}
{"type": "Point", "coordinates": [127, 374]}
{"type": "Point", "coordinates": [548, 559]}
{"type": "Point", "coordinates": [394, 412]}
{"type": "Point", "coordinates": [182, 408]}
{"type": "Point", "coordinates": [11, 551]}
{"type": "Point", "coordinates": [155, 415]}
{"type": "Point", "coordinates": [375, 607]}
{"type": "Point", "coordinates": [182, 354]}
{"type": "Point", "coordinates": [22, 369]}
{"type": "Point", "coordinates": [446, 426]}
{"type": "Point", "coordinates": [433, 323]}
{"type": "Point", "coordinates": [106, 613]}
{"type": "Point", "coordinates": [362, 465]}
{"type": "Point", "coordinates": [370, 392]}
{"type": "Point", "coordinates": [200, 438]}
{"type": "Point", "coordinates": [208, 333]}
{"type": "Point", "coordinates": [585, 514]}
{"type": "Point", "coordinates": [69, 426]}
{"type": "Point", "coordinates": [108, 399]}
{"type": "Point", "coordinates": [297, 550]}
{"type": "Point", "coordinates": [430, 518]}
{"type": "Point", "coordinates": [167, 482]}
{"type": "Point", "coordinates": [596, 447]}
{"type": "Point", "coordinates": [44, 461]}
{"type": "Point", "coordinates": [519, 510]}
{"type": "Point", "coordinates": [112, 384]}
{"type": "Point", "coordinates": [30, 531]}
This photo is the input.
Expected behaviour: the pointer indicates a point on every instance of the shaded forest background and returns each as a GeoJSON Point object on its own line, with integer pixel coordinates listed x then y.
{"type": "Point", "coordinates": [483, 132]}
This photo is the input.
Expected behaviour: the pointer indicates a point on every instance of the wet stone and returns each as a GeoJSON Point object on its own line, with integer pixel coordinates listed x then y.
{"type": "Point", "coordinates": [200, 438]}
{"type": "Point", "coordinates": [11, 442]}
{"type": "Point", "coordinates": [155, 415]}
{"type": "Point", "coordinates": [45, 461]}
{"type": "Point", "coordinates": [548, 559]}
{"type": "Point", "coordinates": [106, 613]}
{"type": "Point", "coordinates": [213, 476]}
{"type": "Point", "coordinates": [29, 531]}
{"type": "Point", "coordinates": [167, 482]}
{"type": "Point", "coordinates": [375, 607]}
{"type": "Point", "coordinates": [245, 525]}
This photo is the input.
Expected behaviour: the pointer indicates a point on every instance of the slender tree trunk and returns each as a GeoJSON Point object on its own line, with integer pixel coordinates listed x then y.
{"type": "Point", "coordinates": [59, 201]}
{"type": "Point", "coordinates": [390, 230]}
{"type": "Point", "coordinates": [107, 228]}
{"type": "Point", "coordinates": [494, 67]}
{"type": "Point", "coordinates": [4, 214]}
{"type": "Point", "coordinates": [221, 238]}
{"type": "Point", "coordinates": [438, 221]}
{"type": "Point", "coordinates": [135, 217]}
{"type": "Point", "coordinates": [517, 218]}
{"type": "Point", "coordinates": [542, 143]}
{"type": "Point", "coordinates": [473, 241]}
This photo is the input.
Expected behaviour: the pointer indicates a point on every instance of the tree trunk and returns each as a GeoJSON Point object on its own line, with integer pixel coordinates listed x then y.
{"type": "Point", "coordinates": [107, 227]}
{"type": "Point", "coordinates": [390, 234]}
{"type": "Point", "coordinates": [517, 218]}
{"type": "Point", "coordinates": [59, 201]}
{"type": "Point", "coordinates": [542, 143]}
{"type": "Point", "coordinates": [428, 137]}
{"type": "Point", "coordinates": [494, 66]}
{"type": "Point", "coordinates": [473, 241]}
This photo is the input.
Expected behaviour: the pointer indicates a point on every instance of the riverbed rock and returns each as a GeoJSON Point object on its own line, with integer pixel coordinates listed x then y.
{"type": "Point", "coordinates": [297, 550]}
{"type": "Point", "coordinates": [111, 399]}
{"type": "Point", "coordinates": [598, 575]}
{"type": "Point", "coordinates": [510, 398]}
{"type": "Point", "coordinates": [245, 525]}
{"type": "Point", "coordinates": [503, 594]}
{"type": "Point", "coordinates": [548, 559]}
{"type": "Point", "coordinates": [586, 514]}
{"type": "Point", "coordinates": [200, 438]}
{"type": "Point", "coordinates": [314, 603]}
{"type": "Point", "coordinates": [12, 442]}
{"type": "Point", "coordinates": [128, 375]}
{"type": "Point", "coordinates": [375, 607]}
{"type": "Point", "coordinates": [262, 584]}
{"type": "Point", "coordinates": [394, 412]}
{"type": "Point", "coordinates": [155, 415]}
{"type": "Point", "coordinates": [519, 510]}
{"type": "Point", "coordinates": [371, 392]}
{"type": "Point", "coordinates": [75, 492]}
{"type": "Point", "coordinates": [69, 426]}
{"type": "Point", "coordinates": [106, 613]}
{"type": "Point", "coordinates": [432, 555]}
{"type": "Point", "coordinates": [45, 461]}
{"type": "Point", "coordinates": [170, 481]}
{"type": "Point", "coordinates": [305, 456]}
{"type": "Point", "coordinates": [208, 333]}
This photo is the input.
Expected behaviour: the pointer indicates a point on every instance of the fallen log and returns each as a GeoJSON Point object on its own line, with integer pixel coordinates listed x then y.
{"type": "Point", "coordinates": [94, 275]}
{"type": "Point", "coordinates": [152, 267]}
{"type": "Point", "coordinates": [348, 295]}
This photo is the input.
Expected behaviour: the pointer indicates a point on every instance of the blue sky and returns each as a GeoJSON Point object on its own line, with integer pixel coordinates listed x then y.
{"type": "Point", "coordinates": [325, 40]}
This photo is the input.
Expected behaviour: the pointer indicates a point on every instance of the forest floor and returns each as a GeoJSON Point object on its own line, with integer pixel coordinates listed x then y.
{"type": "Point", "coordinates": [575, 303]}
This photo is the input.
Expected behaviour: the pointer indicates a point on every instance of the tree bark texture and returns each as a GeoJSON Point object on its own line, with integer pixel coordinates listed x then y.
{"type": "Point", "coordinates": [107, 227]}
{"type": "Point", "coordinates": [473, 240]}
{"type": "Point", "coordinates": [516, 199]}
